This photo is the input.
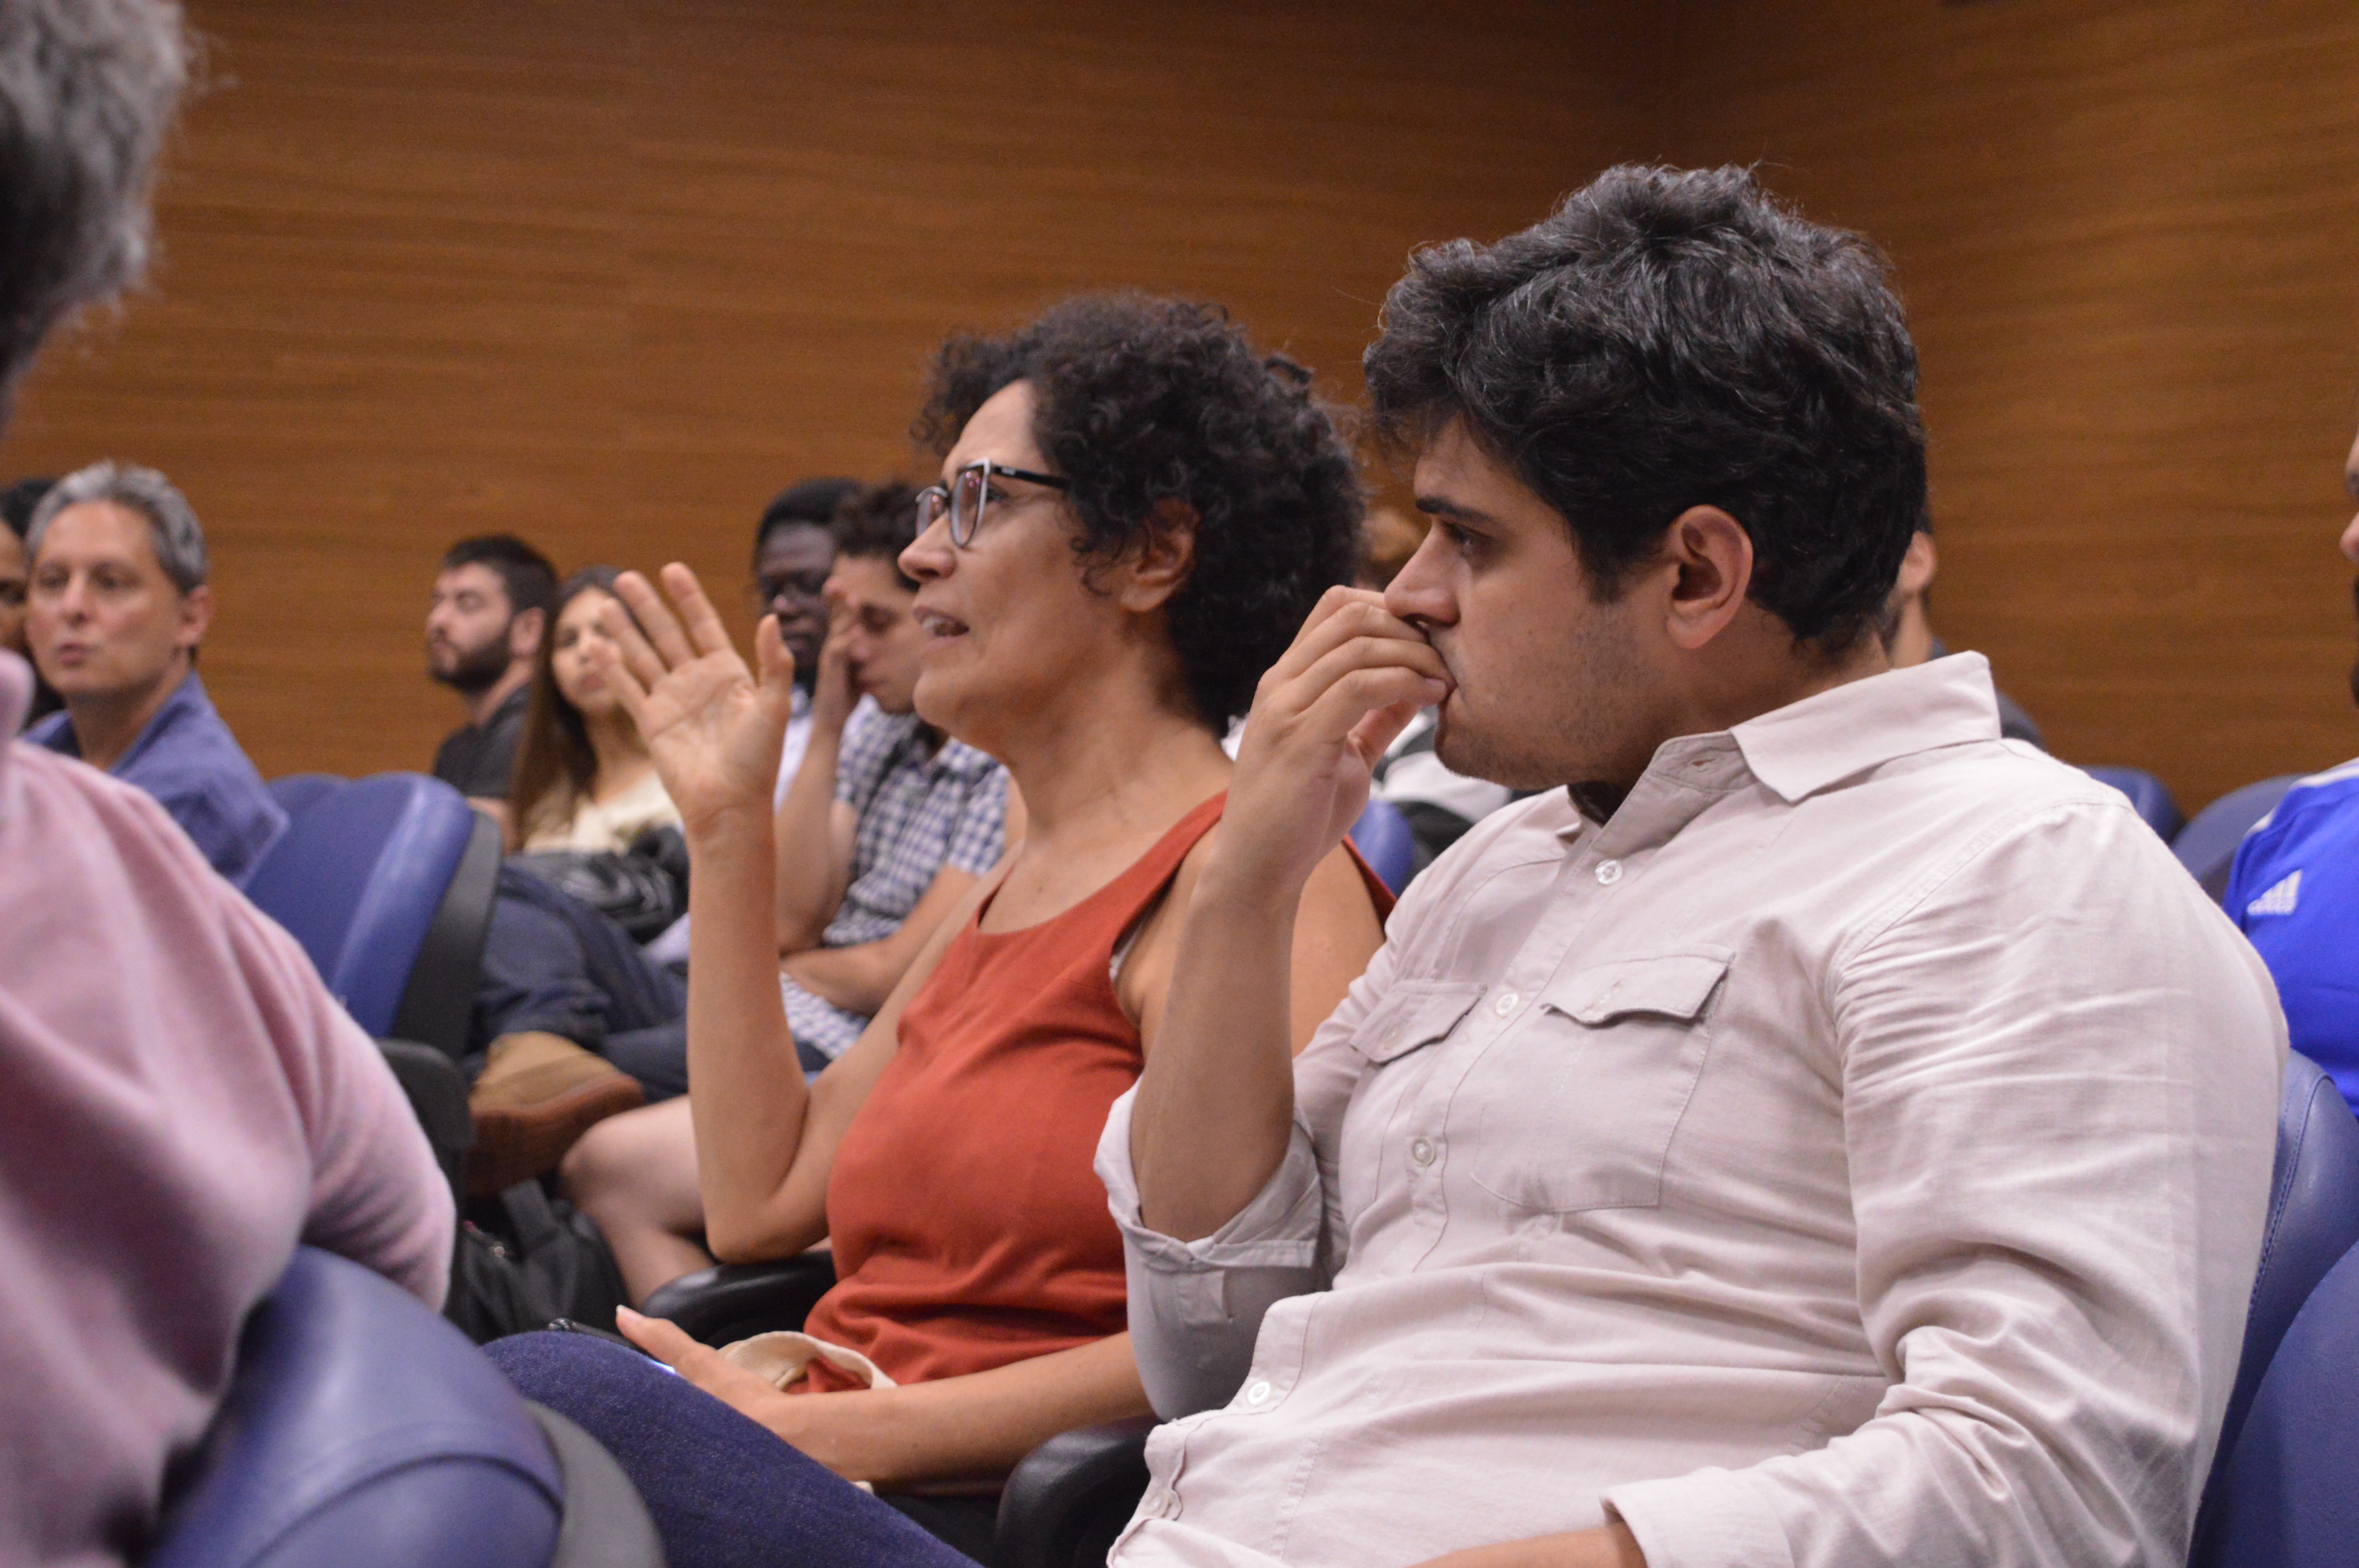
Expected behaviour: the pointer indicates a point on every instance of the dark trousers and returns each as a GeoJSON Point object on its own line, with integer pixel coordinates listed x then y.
{"type": "Point", "coordinates": [552, 963]}
{"type": "Point", "coordinates": [724, 1491]}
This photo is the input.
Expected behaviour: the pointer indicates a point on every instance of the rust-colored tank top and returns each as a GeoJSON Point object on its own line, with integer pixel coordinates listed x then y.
{"type": "Point", "coordinates": [968, 1228]}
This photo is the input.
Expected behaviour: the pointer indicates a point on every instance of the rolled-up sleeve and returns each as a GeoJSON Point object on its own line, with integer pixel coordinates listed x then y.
{"type": "Point", "coordinates": [1196, 1306]}
{"type": "Point", "coordinates": [2058, 1112]}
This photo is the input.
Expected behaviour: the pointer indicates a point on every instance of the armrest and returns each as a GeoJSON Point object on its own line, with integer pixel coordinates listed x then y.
{"type": "Point", "coordinates": [1071, 1495]}
{"type": "Point", "coordinates": [437, 1096]}
{"type": "Point", "coordinates": [737, 1301]}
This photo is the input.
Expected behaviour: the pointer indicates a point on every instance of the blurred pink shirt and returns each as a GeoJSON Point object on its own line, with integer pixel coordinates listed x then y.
{"type": "Point", "coordinates": [181, 1103]}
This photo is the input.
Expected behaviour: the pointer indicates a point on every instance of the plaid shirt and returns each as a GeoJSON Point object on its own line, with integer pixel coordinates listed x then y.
{"type": "Point", "coordinates": [918, 811]}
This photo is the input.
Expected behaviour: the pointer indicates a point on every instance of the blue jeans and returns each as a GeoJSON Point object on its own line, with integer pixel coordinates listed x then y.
{"type": "Point", "coordinates": [723, 1492]}
{"type": "Point", "coordinates": [552, 963]}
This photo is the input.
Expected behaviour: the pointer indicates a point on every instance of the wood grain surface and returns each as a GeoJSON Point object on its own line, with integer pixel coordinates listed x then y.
{"type": "Point", "coordinates": [2129, 235]}
{"type": "Point", "coordinates": [611, 271]}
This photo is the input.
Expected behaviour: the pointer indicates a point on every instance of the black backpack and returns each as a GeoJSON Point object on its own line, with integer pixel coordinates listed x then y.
{"type": "Point", "coordinates": [524, 1258]}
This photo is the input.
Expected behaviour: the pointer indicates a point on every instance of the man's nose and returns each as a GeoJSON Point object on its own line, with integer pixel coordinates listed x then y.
{"type": "Point", "coordinates": [2351, 542]}
{"type": "Point", "coordinates": [1419, 592]}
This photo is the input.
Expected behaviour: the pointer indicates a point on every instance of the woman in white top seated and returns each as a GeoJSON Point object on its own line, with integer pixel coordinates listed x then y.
{"type": "Point", "coordinates": [583, 778]}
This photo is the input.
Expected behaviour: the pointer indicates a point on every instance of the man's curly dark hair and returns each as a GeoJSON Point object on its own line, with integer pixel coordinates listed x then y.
{"type": "Point", "coordinates": [1674, 337]}
{"type": "Point", "coordinates": [1144, 400]}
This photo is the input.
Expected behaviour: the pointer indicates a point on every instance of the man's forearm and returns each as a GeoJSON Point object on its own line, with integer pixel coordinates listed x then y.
{"type": "Point", "coordinates": [1215, 1106]}
{"type": "Point", "coordinates": [806, 862]}
{"type": "Point", "coordinates": [856, 979]}
{"type": "Point", "coordinates": [1612, 1546]}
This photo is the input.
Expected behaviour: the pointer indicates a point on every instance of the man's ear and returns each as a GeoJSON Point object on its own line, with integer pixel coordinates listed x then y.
{"type": "Point", "coordinates": [196, 615]}
{"type": "Point", "coordinates": [1917, 567]}
{"type": "Point", "coordinates": [1161, 559]}
{"type": "Point", "coordinates": [1713, 557]}
{"type": "Point", "coordinates": [524, 633]}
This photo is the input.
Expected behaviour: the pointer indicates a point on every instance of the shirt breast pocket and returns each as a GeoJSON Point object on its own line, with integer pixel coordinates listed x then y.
{"type": "Point", "coordinates": [1577, 1104]}
{"type": "Point", "coordinates": [1392, 1041]}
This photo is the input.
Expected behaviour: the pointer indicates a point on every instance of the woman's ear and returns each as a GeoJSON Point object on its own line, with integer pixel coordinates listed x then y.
{"type": "Point", "coordinates": [1160, 559]}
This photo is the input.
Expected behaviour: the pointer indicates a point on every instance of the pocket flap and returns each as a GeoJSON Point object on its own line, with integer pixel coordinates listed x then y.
{"type": "Point", "coordinates": [1669, 985]}
{"type": "Point", "coordinates": [1414, 1014]}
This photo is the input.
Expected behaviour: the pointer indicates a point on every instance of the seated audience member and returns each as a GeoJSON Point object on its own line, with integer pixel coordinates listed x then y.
{"type": "Point", "coordinates": [184, 1101]}
{"type": "Point", "coordinates": [494, 598]}
{"type": "Point", "coordinates": [583, 778]}
{"type": "Point", "coordinates": [2294, 892]}
{"type": "Point", "coordinates": [1133, 505]}
{"type": "Point", "coordinates": [1916, 1081]}
{"type": "Point", "coordinates": [1907, 630]}
{"type": "Point", "coordinates": [575, 1022]}
{"type": "Point", "coordinates": [884, 831]}
{"type": "Point", "coordinates": [116, 608]}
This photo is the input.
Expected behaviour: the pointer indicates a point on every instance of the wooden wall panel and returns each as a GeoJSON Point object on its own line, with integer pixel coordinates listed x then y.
{"type": "Point", "coordinates": [2128, 232]}
{"type": "Point", "coordinates": [609, 272]}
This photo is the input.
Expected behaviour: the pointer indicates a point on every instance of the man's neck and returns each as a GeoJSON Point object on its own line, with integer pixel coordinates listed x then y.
{"type": "Point", "coordinates": [107, 726]}
{"type": "Point", "coordinates": [482, 705]}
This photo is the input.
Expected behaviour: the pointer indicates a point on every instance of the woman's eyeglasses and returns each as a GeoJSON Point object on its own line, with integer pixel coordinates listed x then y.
{"type": "Point", "coordinates": [965, 496]}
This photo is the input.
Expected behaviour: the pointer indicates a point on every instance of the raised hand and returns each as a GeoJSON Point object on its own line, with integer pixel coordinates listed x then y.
{"type": "Point", "coordinates": [1321, 718]}
{"type": "Point", "coordinates": [713, 728]}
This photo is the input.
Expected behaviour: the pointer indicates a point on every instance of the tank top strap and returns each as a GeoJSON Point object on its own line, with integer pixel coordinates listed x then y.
{"type": "Point", "coordinates": [1132, 893]}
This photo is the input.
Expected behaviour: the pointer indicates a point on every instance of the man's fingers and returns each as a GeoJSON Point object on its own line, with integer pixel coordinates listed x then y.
{"type": "Point", "coordinates": [658, 624]}
{"type": "Point", "coordinates": [1341, 614]}
{"type": "Point", "coordinates": [706, 634]}
{"type": "Point", "coordinates": [1366, 652]}
{"type": "Point", "coordinates": [1374, 734]}
{"type": "Point", "coordinates": [645, 668]}
{"type": "Point", "coordinates": [1363, 694]}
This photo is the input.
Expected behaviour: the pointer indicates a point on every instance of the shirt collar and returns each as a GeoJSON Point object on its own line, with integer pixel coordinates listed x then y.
{"type": "Point", "coordinates": [1803, 747]}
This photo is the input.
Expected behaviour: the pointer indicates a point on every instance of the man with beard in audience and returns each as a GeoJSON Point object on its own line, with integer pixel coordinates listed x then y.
{"type": "Point", "coordinates": [493, 600]}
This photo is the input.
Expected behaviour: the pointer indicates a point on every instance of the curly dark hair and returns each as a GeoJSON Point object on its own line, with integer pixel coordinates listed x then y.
{"type": "Point", "coordinates": [1671, 339]}
{"type": "Point", "coordinates": [876, 523]}
{"type": "Point", "coordinates": [1145, 400]}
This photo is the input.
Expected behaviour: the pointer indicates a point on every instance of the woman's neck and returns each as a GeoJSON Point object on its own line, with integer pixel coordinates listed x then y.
{"type": "Point", "coordinates": [622, 755]}
{"type": "Point", "coordinates": [1130, 768]}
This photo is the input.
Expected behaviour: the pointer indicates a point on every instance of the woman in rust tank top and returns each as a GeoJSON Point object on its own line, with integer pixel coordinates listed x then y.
{"type": "Point", "coordinates": [1135, 513]}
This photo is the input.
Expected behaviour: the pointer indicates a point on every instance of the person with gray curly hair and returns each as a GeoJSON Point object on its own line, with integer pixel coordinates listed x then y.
{"type": "Point", "coordinates": [116, 607]}
{"type": "Point", "coordinates": [182, 1102]}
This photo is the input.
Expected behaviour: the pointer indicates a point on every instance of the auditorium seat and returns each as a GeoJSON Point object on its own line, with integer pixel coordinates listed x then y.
{"type": "Point", "coordinates": [2313, 1222]}
{"type": "Point", "coordinates": [1382, 837]}
{"type": "Point", "coordinates": [2146, 793]}
{"type": "Point", "coordinates": [295, 791]}
{"type": "Point", "coordinates": [2285, 1497]}
{"type": "Point", "coordinates": [362, 1428]}
{"type": "Point", "coordinates": [388, 882]}
{"type": "Point", "coordinates": [2207, 844]}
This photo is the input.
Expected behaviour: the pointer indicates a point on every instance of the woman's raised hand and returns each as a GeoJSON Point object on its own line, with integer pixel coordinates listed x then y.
{"type": "Point", "coordinates": [713, 728]}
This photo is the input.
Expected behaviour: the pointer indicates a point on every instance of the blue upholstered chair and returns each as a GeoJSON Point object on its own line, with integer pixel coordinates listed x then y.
{"type": "Point", "coordinates": [2207, 844]}
{"type": "Point", "coordinates": [359, 1429]}
{"type": "Point", "coordinates": [1382, 835]}
{"type": "Point", "coordinates": [2146, 793]}
{"type": "Point", "coordinates": [2313, 1224]}
{"type": "Point", "coordinates": [295, 792]}
{"type": "Point", "coordinates": [388, 882]}
{"type": "Point", "coordinates": [2285, 1497]}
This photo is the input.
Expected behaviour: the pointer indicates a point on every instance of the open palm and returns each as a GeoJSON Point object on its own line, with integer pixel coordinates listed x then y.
{"type": "Point", "coordinates": [714, 727]}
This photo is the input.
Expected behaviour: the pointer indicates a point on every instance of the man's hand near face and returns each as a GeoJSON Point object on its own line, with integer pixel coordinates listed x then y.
{"type": "Point", "coordinates": [1216, 1100]}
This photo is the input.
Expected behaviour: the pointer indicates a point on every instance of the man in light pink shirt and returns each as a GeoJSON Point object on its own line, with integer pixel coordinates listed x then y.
{"type": "Point", "coordinates": [1811, 1132]}
{"type": "Point", "coordinates": [181, 1101]}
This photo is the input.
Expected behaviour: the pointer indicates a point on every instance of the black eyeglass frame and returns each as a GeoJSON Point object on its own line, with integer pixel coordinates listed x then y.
{"type": "Point", "coordinates": [936, 499]}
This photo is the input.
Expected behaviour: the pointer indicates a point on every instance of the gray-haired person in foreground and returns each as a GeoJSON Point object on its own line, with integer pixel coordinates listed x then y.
{"type": "Point", "coordinates": [181, 1101]}
{"type": "Point", "coordinates": [116, 609]}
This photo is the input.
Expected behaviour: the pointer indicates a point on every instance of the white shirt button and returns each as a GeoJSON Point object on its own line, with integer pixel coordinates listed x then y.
{"type": "Point", "coordinates": [1162, 1505]}
{"type": "Point", "coordinates": [1506, 1003]}
{"type": "Point", "coordinates": [1608, 871]}
{"type": "Point", "coordinates": [1422, 1150]}
{"type": "Point", "coordinates": [1258, 1394]}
